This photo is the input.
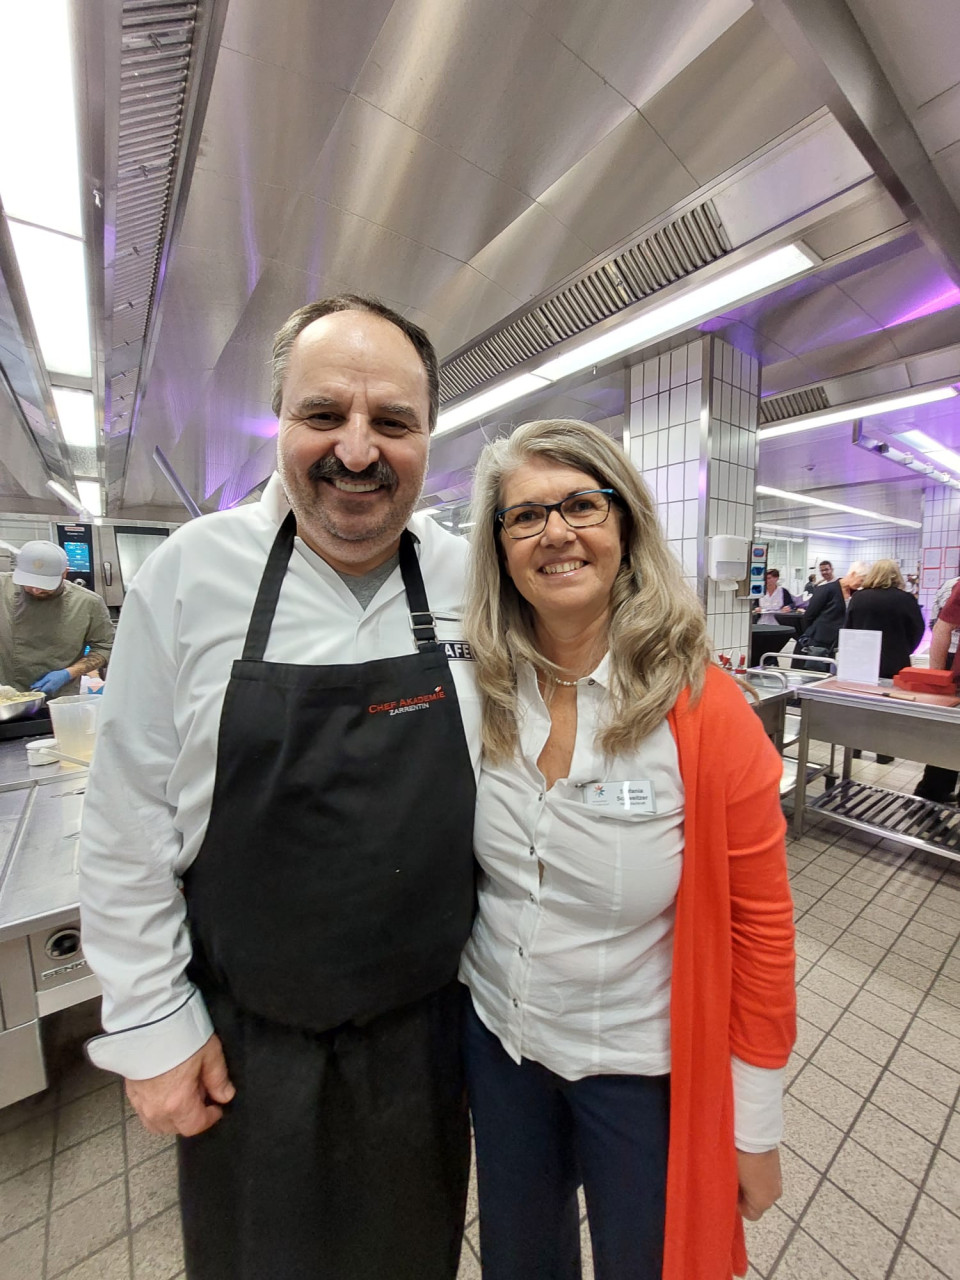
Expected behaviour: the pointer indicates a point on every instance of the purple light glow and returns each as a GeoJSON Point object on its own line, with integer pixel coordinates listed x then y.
{"type": "Point", "coordinates": [940, 302]}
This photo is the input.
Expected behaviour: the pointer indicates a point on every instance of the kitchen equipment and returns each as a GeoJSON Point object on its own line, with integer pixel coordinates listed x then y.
{"type": "Point", "coordinates": [75, 725]}
{"type": "Point", "coordinates": [42, 751]}
{"type": "Point", "coordinates": [15, 705]}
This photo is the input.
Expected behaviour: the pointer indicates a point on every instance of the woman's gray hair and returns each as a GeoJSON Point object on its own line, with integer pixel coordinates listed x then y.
{"type": "Point", "coordinates": [658, 641]}
{"type": "Point", "coordinates": [883, 574]}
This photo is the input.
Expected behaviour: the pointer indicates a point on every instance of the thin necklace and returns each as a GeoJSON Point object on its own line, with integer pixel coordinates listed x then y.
{"type": "Point", "coordinates": [567, 684]}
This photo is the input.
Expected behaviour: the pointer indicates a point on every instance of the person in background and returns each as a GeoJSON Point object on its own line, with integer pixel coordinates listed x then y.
{"type": "Point", "coordinates": [826, 571]}
{"type": "Point", "coordinates": [631, 964]}
{"type": "Point", "coordinates": [937, 783]}
{"type": "Point", "coordinates": [776, 599]}
{"type": "Point", "coordinates": [291, 733]}
{"type": "Point", "coordinates": [52, 632]}
{"type": "Point", "coordinates": [882, 604]}
{"type": "Point", "coordinates": [825, 614]}
{"type": "Point", "coordinates": [806, 595]}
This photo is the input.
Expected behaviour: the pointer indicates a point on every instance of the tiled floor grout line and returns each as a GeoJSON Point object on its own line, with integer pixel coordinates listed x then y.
{"type": "Point", "coordinates": [53, 1170]}
{"type": "Point", "coordinates": [126, 1180]}
{"type": "Point", "coordinates": [847, 1132]}
{"type": "Point", "coordinates": [937, 1147]}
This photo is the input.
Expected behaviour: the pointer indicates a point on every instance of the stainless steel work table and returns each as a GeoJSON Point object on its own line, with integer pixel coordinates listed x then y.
{"type": "Point", "coordinates": [924, 732]}
{"type": "Point", "coordinates": [42, 967]}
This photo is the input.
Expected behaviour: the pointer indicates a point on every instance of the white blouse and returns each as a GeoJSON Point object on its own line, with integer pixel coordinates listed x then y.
{"type": "Point", "coordinates": [569, 964]}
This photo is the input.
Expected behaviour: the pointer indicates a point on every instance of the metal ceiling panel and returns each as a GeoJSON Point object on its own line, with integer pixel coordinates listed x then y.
{"type": "Point", "coordinates": [738, 95]}
{"type": "Point", "coordinates": [397, 183]}
{"type": "Point", "coordinates": [638, 176]}
{"type": "Point", "coordinates": [638, 49]}
{"type": "Point", "coordinates": [916, 44]}
{"type": "Point", "coordinates": [902, 289]}
{"type": "Point", "coordinates": [542, 108]}
{"type": "Point", "coordinates": [325, 43]}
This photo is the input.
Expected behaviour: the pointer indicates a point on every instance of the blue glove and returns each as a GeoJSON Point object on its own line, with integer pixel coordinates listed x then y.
{"type": "Point", "coordinates": [52, 682]}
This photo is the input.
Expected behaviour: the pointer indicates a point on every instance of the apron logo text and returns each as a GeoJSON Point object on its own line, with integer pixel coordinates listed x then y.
{"type": "Point", "coordinates": [458, 649]}
{"type": "Point", "coordinates": [420, 703]}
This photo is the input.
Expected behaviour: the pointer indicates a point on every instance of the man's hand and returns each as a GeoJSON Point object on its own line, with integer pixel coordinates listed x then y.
{"type": "Point", "coordinates": [184, 1100]}
{"type": "Point", "coordinates": [759, 1178]}
{"type": "Point", "coordinates": [52, 682]}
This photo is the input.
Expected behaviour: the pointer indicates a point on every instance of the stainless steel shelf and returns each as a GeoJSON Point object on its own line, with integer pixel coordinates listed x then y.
{"type": "Point", "coordinates": [922, 824]}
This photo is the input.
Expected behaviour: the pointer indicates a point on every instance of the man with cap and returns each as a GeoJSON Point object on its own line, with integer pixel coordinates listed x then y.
{"type": "Point", "coordinates": [52, 632]}
{"type": "Point", "coordinates": [276, 857]}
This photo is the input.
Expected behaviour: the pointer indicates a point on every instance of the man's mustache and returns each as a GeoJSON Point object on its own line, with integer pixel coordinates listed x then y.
{"type": "Point", "coordinates": [330, 467]}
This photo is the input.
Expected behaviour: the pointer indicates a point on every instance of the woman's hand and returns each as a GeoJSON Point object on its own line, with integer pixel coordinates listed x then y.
{"type": "Point", "coordinates": [759, 1178]}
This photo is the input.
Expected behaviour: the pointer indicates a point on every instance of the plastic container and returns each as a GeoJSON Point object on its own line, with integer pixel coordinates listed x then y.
{"type": "Point", "coordinates": [41, 751]}
{"type": "Point", "coordinates": [75, 725]}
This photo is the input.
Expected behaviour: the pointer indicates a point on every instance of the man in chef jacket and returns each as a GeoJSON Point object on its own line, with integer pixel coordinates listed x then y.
{"type": "Point", "coordinates": [276, 865]}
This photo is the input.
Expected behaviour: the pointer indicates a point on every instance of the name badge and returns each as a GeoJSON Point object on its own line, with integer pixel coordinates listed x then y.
{"type": "Point", "coordinates": [631, 797]}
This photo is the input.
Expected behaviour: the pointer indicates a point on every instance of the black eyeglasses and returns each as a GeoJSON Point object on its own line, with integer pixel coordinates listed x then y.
{"type": "Point", "coordinates": [580, 511]}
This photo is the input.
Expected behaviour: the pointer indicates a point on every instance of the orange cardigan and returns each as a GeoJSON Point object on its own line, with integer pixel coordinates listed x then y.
{"type": "Point", "coordinates": [733, 963]}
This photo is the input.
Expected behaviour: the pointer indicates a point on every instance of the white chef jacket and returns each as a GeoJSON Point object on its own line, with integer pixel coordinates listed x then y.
{"type": "Point", "coordinates": [574, 971]}
{"type": "Point", "coordinates": [151, 781]}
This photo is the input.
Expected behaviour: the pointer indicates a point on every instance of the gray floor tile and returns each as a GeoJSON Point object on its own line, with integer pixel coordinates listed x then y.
{"type": "Point", "coordinates": [23, 1198]}
{"type": "Point", "coordinates": [800, 1180]}
{"type": "Point", "coordinates": [853, 1069]}
{"type": "Point", "coordinates": [951, 1139]}
{"type": "Point", "coordinates": [900, 1146]}
{"type": "Point", "coordinates": [910, 1104]}
{"type": "Point", "coordinates": [876, 1010]}
{"type": "Point", "coordinates": [469, 1266]}
{"type": "Point", "coordinates": [873, 1184]}
{"type": "Point", "coordinates": [827, 1096]}
{"type": "Point", "coordinates": [808, 1134]}
{"type": "Point", "coordinates": [21, 1257]}
{"type": "Point", "coordinates": [112, 1263]}
{"type": "Point", "coordinates": [808, 1037]}
{"type": "Point", "coordinates": [141, 1145]}
{"type": "Point", "coordinates": [910, 1266]}
{"type": "Point", "coordinates": [28, 1144]}
{"type": "Point", "coordinates": [850, 1234]}
{"type": "Point", "coordinates": [88, 1115]}
{"type": "Point", "coordinates": [86, 1225]}
{"type": "Point", "coordinates": [943, 1184]}
{"type": "Point", "coordinates": [767, 1237]}
{"type": "Point", "coordinates": [925, 1072]}
{"type": "Point", "coordinates": [87, 1164]}
{"type": "Point", "coordinates": [18, 1113]}
{"type": "Point", "coordinates": [935, 1043]}
{"type": "Point", "coordinates": [82, 1078]}
{"type": "Point", "coordinates": [158, 1248]}
{"type": "Point", "coordinates": [935, 1234]}
{"type": "Point", "coordinates": [852, 968]}
{"type": "Point", "coordinates": [814, 1008]}
{"type": "Point", "coordinates": [153, 1186]}
{"type": "Point", "coordinates": [940, 1014]}
{"type": "Point", "coordinates": [868, 1040]}
{"type": "Point", "coordinates": [894, 991]}
{"type": "Point", "coordinates": [831, 986]}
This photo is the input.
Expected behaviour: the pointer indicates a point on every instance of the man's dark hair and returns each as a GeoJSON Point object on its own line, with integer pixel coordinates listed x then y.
{"type": "Point", "coordinates": [288, 334]}
{"type": "Point", "coordinates": [773, 573]}
{"type": "Point", "coordinates": [828, 563]}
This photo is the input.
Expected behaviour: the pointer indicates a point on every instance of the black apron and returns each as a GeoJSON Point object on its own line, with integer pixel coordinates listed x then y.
{"type": "Point", "coordinates": [328, 906]}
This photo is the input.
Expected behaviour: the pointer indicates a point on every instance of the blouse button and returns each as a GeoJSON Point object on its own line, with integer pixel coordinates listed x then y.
{"type": "Point", "coordinates": [532, 851]}
{"type": "Point", "coordinates": [520, 949]}
{"type": "Point", "coordinates": [516, 1003]}
{"type": "Point", "coordinates": [591, 683]}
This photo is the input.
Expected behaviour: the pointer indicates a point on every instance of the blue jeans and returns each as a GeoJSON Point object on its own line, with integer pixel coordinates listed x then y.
{"type": "Point", "coordinates": [538, 1137]}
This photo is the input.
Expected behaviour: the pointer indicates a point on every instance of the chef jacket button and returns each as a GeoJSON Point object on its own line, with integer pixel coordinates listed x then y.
{"type": "Point", "coordinates": [533, 897]}
{"type": "Point", "coordinates": [516, 1003]}
{"type": "Point", "coordinates": [532, 851]}
{"type": "Point", "coordinates": [520, 949]}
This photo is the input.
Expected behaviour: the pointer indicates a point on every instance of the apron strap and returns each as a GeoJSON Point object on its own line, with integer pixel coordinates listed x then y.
{"type": "Point", "coordinates": [261, 620]}
{"type": "Point", "coordinates": [421, 619]}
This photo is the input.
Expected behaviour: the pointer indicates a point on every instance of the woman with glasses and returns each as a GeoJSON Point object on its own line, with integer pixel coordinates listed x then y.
{"type": "Point", "coordinates": [631, 964]}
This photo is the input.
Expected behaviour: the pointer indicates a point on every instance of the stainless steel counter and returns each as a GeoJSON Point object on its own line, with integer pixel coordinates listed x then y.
{"type": "Point", "coordinates": [42, 967]}
{"type": "Point", "coordinates": [923, 732]}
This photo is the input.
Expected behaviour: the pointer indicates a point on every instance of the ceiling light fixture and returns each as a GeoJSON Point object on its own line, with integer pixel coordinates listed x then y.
{"type": "Point", "coordinates": [69, 499]}
{"type": "Point", "coordinates": [932, 449]}
{"type": "Point", "coordinates": [91, 496]}
{"type": "Point", "coordinates": [55, 281]}
{"type": "Point", "coordinates": [862, 409]}
{"type": "Point", "coordinates": [77, 421]}
{"type": "Point", "coordinates": [702, 302]}
{"type": "Point", "coordinates": [803, 500]}
{"type": "Point", "coordinates": [808, 533]}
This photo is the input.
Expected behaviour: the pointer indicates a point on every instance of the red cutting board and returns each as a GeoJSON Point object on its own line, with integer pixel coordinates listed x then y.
{"type": "Point", "coordinates": [896, 695]}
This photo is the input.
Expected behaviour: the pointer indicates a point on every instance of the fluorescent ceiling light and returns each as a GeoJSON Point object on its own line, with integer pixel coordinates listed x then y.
{"type": "Point", "coordinates": [64, 494]}
{"type": "Point", "coordinates": [848, 412]}
{"type": "Point", "coordinates": [801, 499]}
{"type": "Point", "coordinates": [90, 496]}
{"type": "Point", "coordinates": [77, 421]}
{"type": "Point", "coordinates": [39, 179]}
{"type": "Point", "coordinates": [932, 449]}
{"type": "Point", "coordinates": [706, 300]}
{"type": "Point", "coordinates": [696, 304]}
{"type": "Point", "coordinates": [809, 533]}
{"type": "Point", "coordinates": [55, 281]}
{"type": "Point", "coordinates": [497, 396]}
